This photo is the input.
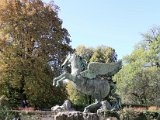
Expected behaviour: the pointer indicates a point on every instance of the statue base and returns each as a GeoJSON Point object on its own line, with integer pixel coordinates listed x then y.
{"type": "Point", "coordinates": [76, 115]}
{"type": "Point", "coordinates": [68, 115]}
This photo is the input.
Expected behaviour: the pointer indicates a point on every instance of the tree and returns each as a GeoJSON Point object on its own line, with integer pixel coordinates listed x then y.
{"type": "Point", "coordinates": [146, 86]}
{"type": "Point", "coordinates": [152, 40]}
{"type": "Point", "coordinates": [141, 87]}
{"type": "Point", "coordinates": [84, 52]}
{"type": "Point", "coordinates": [31, 41]}
{"type": "Point", "coordinates": [138, 80]}
{"type": "Point", "coordinates": [104, 54]}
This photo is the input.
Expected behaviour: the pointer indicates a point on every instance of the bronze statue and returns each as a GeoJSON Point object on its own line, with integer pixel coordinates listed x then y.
{"type": "Point", "coordinates": [89, 80]}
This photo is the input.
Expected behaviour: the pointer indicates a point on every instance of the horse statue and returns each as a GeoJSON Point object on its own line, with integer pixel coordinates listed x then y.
{"type": "Point", "coordinates": [88, 80]}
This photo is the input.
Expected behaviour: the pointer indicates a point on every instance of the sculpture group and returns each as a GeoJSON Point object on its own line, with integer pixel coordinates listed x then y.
{"type": "Point", "coordinates": [93, 79]}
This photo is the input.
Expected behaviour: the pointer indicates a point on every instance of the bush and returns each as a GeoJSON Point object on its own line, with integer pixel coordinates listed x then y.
{"type": "Point", "coordinates": [5, 114]}
{"type": "Point", "coordinates": [138, 115]}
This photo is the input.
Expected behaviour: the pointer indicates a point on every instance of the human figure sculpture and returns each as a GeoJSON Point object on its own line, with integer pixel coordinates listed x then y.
{"type": "Point", "coordinates": [89, 81]}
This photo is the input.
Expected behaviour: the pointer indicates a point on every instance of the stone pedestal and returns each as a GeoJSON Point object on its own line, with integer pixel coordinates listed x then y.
{"type": "Point", "coordinates": [75, 115]}
{"type": "Point", "coordinates": [69, 115]}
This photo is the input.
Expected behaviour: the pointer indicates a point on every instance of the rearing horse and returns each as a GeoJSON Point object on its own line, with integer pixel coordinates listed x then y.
{"type": "Point", "coordinates": [96, 87]}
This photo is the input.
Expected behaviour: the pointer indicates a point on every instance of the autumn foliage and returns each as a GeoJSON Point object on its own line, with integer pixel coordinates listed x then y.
{"type": "Point", "coordinates": [33, 44]}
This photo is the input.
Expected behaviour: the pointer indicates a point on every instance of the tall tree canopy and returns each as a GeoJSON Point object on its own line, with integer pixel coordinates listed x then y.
{"type": "Point", "coordinates": [139, 79]}
{"type": "Point", "coordinates": [104, 54]}
{"type": "Point", "coordinates": [33, 44]}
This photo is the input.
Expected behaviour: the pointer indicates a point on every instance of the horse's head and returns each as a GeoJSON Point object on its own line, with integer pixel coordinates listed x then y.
{"type": "Point", "coordinates": [72, 58]}
{"type": "Point", "coordinates": [66, 61]}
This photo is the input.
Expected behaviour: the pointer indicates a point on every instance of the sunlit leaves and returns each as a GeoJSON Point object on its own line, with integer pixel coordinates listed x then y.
{"type": "Point", "coordinates": [138, 81]}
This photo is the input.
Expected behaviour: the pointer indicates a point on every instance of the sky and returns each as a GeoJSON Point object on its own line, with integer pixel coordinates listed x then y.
{"type": "Point", "coordinates": [114, 23]}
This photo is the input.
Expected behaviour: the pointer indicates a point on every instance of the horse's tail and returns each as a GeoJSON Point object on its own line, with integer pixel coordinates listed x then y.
{"type": "Point", "coordinates": [118, 66]}
{"type": "Point", "coordinates": [120, 63]}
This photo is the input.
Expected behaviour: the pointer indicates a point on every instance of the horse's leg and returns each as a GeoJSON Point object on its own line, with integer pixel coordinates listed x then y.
{"type": "Point", "coordinates": [57, 78]}
{"type": "Point", "coordinates": [57, 82]}
{"type": "Point", "coordinates": [63, 77]}
{"type": "Point", "coordinates": [92, 107]}
{"type": "Point", "coordinates": [95, 106]}
{"type": "Point", "coordinates": [117, 104]}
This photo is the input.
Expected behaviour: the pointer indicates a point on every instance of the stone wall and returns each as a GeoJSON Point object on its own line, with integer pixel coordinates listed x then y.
{"type": "Point", "coordinates": [75, 115]}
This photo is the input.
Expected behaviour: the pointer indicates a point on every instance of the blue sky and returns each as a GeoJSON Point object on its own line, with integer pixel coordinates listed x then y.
{"type": "Point", "coordinates": [114, 23]}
